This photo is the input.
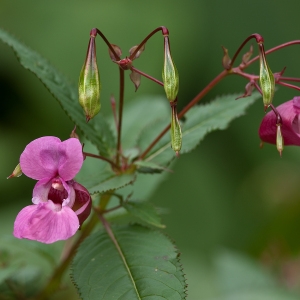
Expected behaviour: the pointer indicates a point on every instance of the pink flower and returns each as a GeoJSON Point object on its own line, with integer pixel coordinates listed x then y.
{"type": "Point", "coordinates": [60, 204]}
{"type": "Point", "coordinates": [290, 129]}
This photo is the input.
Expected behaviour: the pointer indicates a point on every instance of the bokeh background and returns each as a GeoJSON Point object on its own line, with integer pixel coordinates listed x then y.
{"type": "Point", "coordinates": [227, 196]}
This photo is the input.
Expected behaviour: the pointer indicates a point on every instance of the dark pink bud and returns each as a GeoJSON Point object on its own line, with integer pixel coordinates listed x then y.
{"type": "Point", "coordinates": [83, 202]}
{"type": "Point", "coordinates": [290, 128]}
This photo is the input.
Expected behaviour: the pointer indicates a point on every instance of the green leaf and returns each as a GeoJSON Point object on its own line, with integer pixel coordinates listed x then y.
{"type": "Point", "coordinates": [200, 120]}
{"type": "Point", "coordinates": [97, 131]}
{"type": "Point", "coordinates": [137, 263]}
{"type": "Point", "coordinates": [144, 211]}
{"type": "Point", "coordinates": [148, 167]}
{"type": "Point", "coordinates": [141, 113]}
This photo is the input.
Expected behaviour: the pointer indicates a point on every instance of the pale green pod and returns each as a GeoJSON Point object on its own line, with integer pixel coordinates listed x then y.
{"type": "Point", "coordinates": [266, 79]}
{"type": "Point", "coordinates": [279, 140]}
{"type": "Point", "coordinates": [17, 172]}
{"type": "Point", "coordinates": [176, 135]}
{"type": "Point", "coordinates": [89, 83]}
{"type": "Point", "coordinates": [170, 74]}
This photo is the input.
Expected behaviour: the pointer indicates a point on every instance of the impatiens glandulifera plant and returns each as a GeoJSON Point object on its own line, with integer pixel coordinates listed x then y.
{"type": "Point", "coordinates": [134, 261]}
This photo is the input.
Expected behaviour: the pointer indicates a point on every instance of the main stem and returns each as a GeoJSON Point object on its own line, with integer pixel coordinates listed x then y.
{"type": "Point", "coordinates": [121, 102]}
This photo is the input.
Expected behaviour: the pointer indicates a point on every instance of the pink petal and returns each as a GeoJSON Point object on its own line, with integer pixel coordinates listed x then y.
{"type": "Point", "coordinates": [70, 158]}
{"type": "Point", "coordinates": [46, 223]}
{"type": "Point", "coordinates": [83, 202]}
{"type": "Point", "coordinates": [41, 157]}
{"type": "Point", "coordinates": [41, 191]}
{"type": "Point", "coordinates": [290, 128]}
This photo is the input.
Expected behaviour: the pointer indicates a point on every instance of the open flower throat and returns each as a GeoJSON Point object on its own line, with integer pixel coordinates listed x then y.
{"type": "Point", "coordinates": [60, 204]}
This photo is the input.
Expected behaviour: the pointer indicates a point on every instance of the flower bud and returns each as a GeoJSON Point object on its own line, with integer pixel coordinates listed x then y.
{"type": "Point", "coordinates": [176, 135]}
{"type": "Point", "coordinates": [89, 82]}
{"type": "Point", "coordinates": [17, 172]}
{"type": "Point", "coordinates": [226, 60]}
{"type": "Point", "coordinates": [170, 74]}
{"type": "Point", "coordinates": [279, 139]}
{"type": "Point", "coordinates": [266, 78]}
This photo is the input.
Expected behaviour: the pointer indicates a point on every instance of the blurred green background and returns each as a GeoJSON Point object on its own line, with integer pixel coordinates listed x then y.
{"type": "Point", "coordinates": [228, 193]}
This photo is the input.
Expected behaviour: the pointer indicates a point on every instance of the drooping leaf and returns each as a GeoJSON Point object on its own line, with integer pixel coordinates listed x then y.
{"type": "Point", "coordinates": [97, 131]}
{"type": "Point", "coordinates": [144, 211]}
{"type": "Point", "coordinates": [138, 263]}
{"type": "Point", "coordinates": [200, 120]}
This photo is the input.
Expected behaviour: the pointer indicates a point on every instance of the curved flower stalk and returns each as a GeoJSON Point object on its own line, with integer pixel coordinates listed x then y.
{"type": "Point", "coordinates": [290, 127]}
{"type": "Point", "coordinates": [60, 205]}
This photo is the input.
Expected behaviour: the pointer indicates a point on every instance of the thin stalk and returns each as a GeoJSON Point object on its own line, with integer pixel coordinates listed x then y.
{"type": "Point", "coordinates": [211, 85]}
{"type": "Point", "coordinates": [289, 85]}
{"type": "Point", "coordinates": [164, 31]}
{"type": "Point", "coordinates": [55, 280]}
{"type": "Point", "coordinates": [146, 75]}
{"type": "Point", "coordinates": [102, 158]}
{"type": "Point", "coordinates": [259, 39]}
{"type": "Point", "coordinates": [121, 102]}
{"type": "Point", "coordinates": [289, 79]}
{"type": "Point", "coordinates": [108, 44]}
{"type": "Point", "coordinates": [296, 42]}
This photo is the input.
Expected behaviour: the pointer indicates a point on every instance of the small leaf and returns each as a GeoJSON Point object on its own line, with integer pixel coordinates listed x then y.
{"type": "Point", "coordinates": [144, 211]}
{"type": "Point", "coordinates": [117, 50]}
{"type": "Point", "coordinates": [139, 263]}
{"type": "Point", "coordinates": [247, 55]}
{"type": "Point", "coordinates": [136, 79]}
{"type": "Point", "coordinates": [62, 90]}
{"type": "Point", "coordinates": [140, 51]}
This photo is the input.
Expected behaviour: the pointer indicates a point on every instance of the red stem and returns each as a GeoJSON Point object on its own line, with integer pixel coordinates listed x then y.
{"type": "Point", "coordinates": [259, 39]}
{"type": "Point", "coordinates": [272, 50]}
{"type": "Point", "coordinates": [107, 43]}
{"type": "Point", "coordinates": [102, 158]}
{"type": "Point", "coordinates": [289, 85]}
{"type": "Point", "coordinates": [146, 75]}
{"type": "Point", "coordinates": [164, 31]}
{"type": "Point", "coordinates": [121, 102]}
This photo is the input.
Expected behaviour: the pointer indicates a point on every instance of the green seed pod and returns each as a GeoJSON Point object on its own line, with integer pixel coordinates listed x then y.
{"type": "Point", "coordinates": [89, 83]}
{"type": "Point", "coordinates": [17, 172]}
{"type": "Point", "coordinates": [170, 74]}
{"type": "Point", "coordinates": [279, 139]}
{"type": "Point", "coordinates": [176, 135]}
{"type": "Point", "coordinates": [266, 78]}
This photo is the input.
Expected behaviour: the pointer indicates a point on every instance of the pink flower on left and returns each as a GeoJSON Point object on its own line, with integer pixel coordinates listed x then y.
{"type": "Point", "coordinates": [60, 205]}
